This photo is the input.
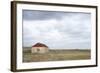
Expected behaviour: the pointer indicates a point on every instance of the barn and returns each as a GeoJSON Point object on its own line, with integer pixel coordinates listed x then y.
{"type": "Point", "coordinates": [39, 48]}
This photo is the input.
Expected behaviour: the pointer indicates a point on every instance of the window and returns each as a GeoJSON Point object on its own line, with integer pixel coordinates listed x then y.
{"type": "Point", "coordinates": [38, 49]}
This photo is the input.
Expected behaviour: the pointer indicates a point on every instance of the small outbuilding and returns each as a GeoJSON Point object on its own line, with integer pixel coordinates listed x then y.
{"type": "Point", "coordinates": [39, 48]}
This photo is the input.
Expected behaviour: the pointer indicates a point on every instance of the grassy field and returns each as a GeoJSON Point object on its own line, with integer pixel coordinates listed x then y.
{"type": "Point", "coordinates": [56, 55]}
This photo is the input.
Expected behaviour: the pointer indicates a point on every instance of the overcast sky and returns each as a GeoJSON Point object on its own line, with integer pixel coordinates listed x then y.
{"type": "Point", "coordinates": [58, 30]}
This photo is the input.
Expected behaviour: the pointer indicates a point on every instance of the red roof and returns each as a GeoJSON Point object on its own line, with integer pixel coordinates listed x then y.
{"type": "Point", "coordinates": [39, 45]}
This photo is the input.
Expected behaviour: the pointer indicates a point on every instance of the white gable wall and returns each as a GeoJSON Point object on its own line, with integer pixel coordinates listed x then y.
{"type": "Point", "coordinates": [39, 49]}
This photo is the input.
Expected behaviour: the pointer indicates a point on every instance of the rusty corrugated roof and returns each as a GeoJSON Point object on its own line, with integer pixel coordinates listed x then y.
{"type": "Point", "coordinates": [39, 45]}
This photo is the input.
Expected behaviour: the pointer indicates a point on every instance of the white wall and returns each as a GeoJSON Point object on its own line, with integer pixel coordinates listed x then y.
{"type": "Point", "coordinates": [5, 38]}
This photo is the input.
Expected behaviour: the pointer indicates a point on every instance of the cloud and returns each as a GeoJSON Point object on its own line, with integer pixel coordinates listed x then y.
{"type": "Point", "coordinates": [45, 15]}
{"type": "Point", "coordinates": [72, 30]}
{"type": "Point", "coordinates": [40, 15]}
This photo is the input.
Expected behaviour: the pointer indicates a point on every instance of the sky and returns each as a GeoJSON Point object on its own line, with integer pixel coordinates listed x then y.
{"type": "Point", "coordinates": [56, 29]}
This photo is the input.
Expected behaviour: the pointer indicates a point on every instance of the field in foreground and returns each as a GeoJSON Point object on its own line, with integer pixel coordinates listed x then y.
{"type": "Point", "coordinates": [56, 55]}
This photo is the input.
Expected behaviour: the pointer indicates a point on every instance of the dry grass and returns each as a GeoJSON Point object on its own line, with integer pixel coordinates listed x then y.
{"type": "Point", "coordinates": [56, 55]}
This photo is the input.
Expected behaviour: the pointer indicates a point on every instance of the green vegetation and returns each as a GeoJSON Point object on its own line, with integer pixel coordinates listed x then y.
{"type": "Point", "coordinates": [56, 55]}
